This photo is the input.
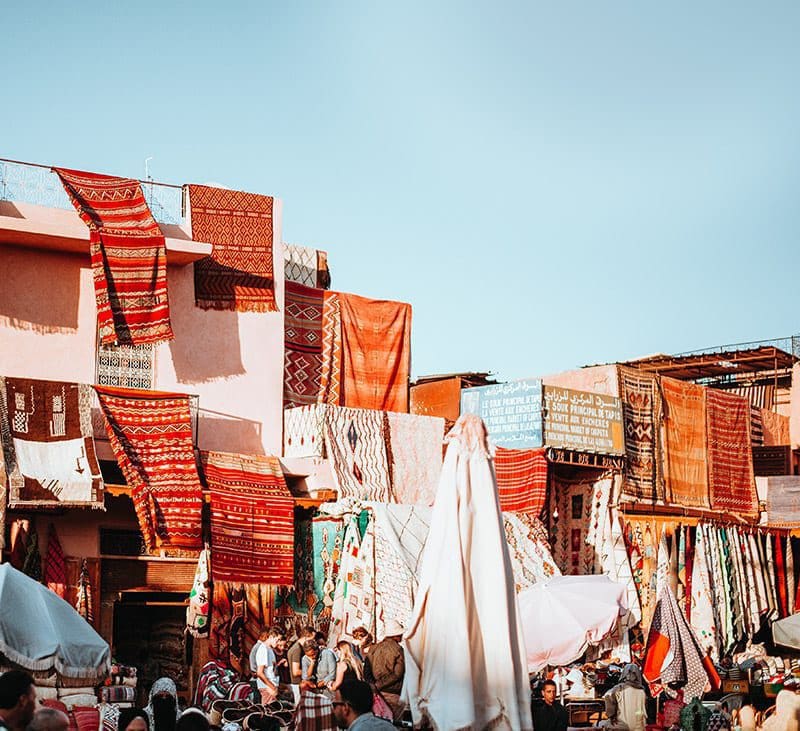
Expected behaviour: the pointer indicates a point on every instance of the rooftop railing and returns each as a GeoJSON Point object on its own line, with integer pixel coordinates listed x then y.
{"type": "Point", "coordinates": [790, 344]}
{"type": "Point", "coordinates": [27, 182]}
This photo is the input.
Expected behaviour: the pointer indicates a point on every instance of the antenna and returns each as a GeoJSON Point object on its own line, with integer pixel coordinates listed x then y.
{"type": "Point", "coordinates": [147, 168]}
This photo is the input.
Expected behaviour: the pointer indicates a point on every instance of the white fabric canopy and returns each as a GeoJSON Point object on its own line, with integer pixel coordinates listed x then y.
{"type": "Point", "coordinates": [40, 631]}
{"type": "Point", "coordinates": [563, 616]}
{"type": "Point", "coordinates": [464, 647]}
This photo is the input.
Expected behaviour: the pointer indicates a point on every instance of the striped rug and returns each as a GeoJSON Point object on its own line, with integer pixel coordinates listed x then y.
{"type": "Point", "coordinates": [521, 480]}
{"type": "Point", "coordinates": [129, 257]}
{"type": "Point", "coordinates": [252, 519]}
{"type": "Point", "coordinates": [151, 435]}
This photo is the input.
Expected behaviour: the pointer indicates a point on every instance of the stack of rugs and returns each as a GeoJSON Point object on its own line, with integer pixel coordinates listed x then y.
{"type": "Point", "coordinates": [384, 456]}
{"type": "Point", "coordinates": [167, 648]}
{"type": "Point", "coordinates": [119, 692]}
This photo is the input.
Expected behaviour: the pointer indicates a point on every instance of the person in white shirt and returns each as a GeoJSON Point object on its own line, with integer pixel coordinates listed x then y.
{"type": "Point", "coordinates": [266, 674]}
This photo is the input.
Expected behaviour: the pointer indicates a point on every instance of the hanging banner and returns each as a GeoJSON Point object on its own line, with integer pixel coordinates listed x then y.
{"type": "Point", "coordinates": [582, 421]}
{"type": "Point", "coordinates": [511, 411]}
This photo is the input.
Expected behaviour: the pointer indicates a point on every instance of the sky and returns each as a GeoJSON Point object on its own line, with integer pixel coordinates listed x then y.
{"type": "Point", "coordinates": [549, 185]}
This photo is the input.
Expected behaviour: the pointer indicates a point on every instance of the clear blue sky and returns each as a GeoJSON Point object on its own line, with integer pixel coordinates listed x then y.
{"type": "Point", "coordinates": [548, 185]}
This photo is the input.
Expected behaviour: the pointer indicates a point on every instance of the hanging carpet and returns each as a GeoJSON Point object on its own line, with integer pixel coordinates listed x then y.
{"type": "Point", "coordinates": [376, 353]}
{"type": "Point", "coordinates": [129, 257]}
{"type": "Point", "coordinates": [55, 568]}
{"type": "Point", "coordinates": [150, 433]}
{"type": "Point", "coordinates": [49, 444]}
{"type": "Point", "coordinates": [521, 479]}
{"type": "Point", "coordinates": [730, 457]}
{"type": "Point", "coordinates": [252, 519]}
{"type": "Point", "coordinates": [414, 453]}
{"type": "Point", "coordinates": [330, 387]}
{"type": "Point", "coordinates": [302, 356]}
{"type": "Point", "coordinates": [239, 273]}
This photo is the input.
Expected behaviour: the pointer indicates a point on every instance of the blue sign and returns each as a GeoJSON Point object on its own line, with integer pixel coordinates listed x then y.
{"type": "Point", "coordinates": [511, 411]}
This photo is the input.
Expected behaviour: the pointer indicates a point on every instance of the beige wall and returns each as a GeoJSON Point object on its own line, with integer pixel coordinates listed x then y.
{"type": "Point", "coordinates": [600, 379]}
{"type": "Point", "coordinates": [232, 360]}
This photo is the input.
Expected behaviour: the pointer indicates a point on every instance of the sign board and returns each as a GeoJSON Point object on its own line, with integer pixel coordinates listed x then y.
{"type": "Point", "coordinates": [586, 459]}
{"type": "Point", "coordinates": [583, 421]}
{"type": "Point", "coordinates": [511, 411]}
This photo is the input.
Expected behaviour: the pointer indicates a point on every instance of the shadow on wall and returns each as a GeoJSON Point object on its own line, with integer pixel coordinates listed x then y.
{"type": "Point", "coordinates": [225, 433]}
{"type": "Point", "coordinates": [206, 345]}
{"type": "Point", "coordinates": [40, 293]}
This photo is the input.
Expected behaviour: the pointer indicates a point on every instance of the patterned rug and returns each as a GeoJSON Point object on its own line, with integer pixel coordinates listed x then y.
{"type": "Point", "coordinates": [783, 501]}
{"type": "Point", "coordinates": [521, 480]}
{"type": "Point", "coordinates": [128, 254]}
{"type": "Point", "coordinates": [641, 411]}
{"type": "Point", "coordinates": [302, 358]}
{"type": "Point", "coordinates": [528, 550]}
{"type": "Point", "coordinates": [756, 427]}
{"type": "Point", "coordinates": [356, 448]}
{"type": "Point", "coordinates": [239, 273]}
{"type": "Point", "coordinates": [330, 386]}
{"type": "Point", "coordinates": [305, 265]}
{"type": "Point", "coordinates": [55, 568]}
{"type": "Point", "coordinates": [151, 435]}
{"type": "Point", "coordinates": [376, 353]}
{"type": "Point", "coordinates": [228, 615]}
{"type": "Point", "coordinates": [49, 444]}
{"type": "Point", "coordinates": [355, 593]}
{"type": "Point", "coordinates": [414, 453]}
{"type": "Point", "coordinates": [730, 459]}
{"type": "Point", "coordinates": [304, 431]}
{"type": "Point", "coordinates": [318, 553]}
{"type": "Point", "coordinates": [776, 428]}
{"type": "Point", "coordinates": [570, 518]}
{"type": "Point", "coordinates": [685, 443]}
{"type": "Point", "coordinates": [252, 519]}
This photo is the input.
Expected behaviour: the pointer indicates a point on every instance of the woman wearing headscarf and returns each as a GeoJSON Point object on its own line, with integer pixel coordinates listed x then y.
{"type": "Point", "coordinates": [162, 706]}
{"type": "Point", "coordinates": [625, 702]}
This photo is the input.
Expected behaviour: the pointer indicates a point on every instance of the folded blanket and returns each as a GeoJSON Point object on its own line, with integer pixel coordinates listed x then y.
{"type": "Point", "coordinates": [44, 693]}
{"type": "Point", "coordinates": [80, 690]}
{"type": "Point", "coordinates": [86, 700]}
{"type": "Point", "coordinates": [118, 694]}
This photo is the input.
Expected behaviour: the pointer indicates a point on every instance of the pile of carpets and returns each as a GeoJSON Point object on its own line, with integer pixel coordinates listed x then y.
{"type": "Point", "coordinates": [382, 456]}
{"type": "Point", "coordinates": [167, 649]}
{"type": "Point", "coordinates": [121, 688]}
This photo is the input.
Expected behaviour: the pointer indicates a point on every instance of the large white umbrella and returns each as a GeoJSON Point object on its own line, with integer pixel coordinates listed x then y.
{"type": "Point", "coordinates": [561, 617]}
{"type": "Point", "coordinates": [464, 648]}
{"type": "Point", "coordinates": [40, 631]}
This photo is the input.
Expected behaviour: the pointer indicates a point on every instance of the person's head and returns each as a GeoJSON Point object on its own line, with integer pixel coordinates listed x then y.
{"type": "Point", "coordinates": [280, 646]}
{"type": "Point", "coordinates": [632, 675]}
{"type": "Point", "coordinates": [321, 639]}
{"type": "Point", "coordinates": [193, 719]}
{"type": "Point", "coordinates": [353, 699]}
{"type": "Point", "coordinates": [274, 636]}
{"type": "Point", "coordinates": [263, 634]}
{"type": "Point", "coordinates": [393, 630]}
{"type": "Point", "coordinates": [310, 648]}
{"type": "Point", "coordinates": [133, 719]}
{"type": "Point", "coordinates": [549, 692]}
{"type": "Point", "coordinates": [347, 656]}
{"type": "Point", "coordinates": [49, 719]}
{"type": "Point", "coordinates": [307, 633]}
{"type": "Point", "coordinates": [17, 697]}
{"type": "Point", "coordinates": [362, 637]}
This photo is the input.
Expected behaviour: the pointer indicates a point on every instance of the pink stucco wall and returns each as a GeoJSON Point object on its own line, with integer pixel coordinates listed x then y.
{"type": "Point", "coordinates": [600, 379]}
{"type": "Point", "coordinates": [233, 361]}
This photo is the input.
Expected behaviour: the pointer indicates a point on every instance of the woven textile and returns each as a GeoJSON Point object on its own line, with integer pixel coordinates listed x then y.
{"type": "Point", "coordinates": [376, 353]}
{"type": "Point", "coordinates": [252, 519]}
{"type": "Point", "coordinates": [354, 597]}
{"type": "Point", "coordinates": [304, 431]}
{"type": "Point", "coordinates": [531, 560]}
{"type": "Point", "coordinates": [641, 411]}
{"type": "Point", "coordinates": [239, 273]}
{"type": "Point", "coordinates": [702, 610]}
{"type": "Point", "coordinates": [257, 614]}
{"type": "Point", "coordinates": [3, 476]}
{"type": "Point", "coordinates": [84, 602]}
{"type": "Point", "coordinates": [126, 366]}
{"type": "Point", "coordinates": [730, 459]}
{"type": "Point", "coordinates": [129, 257]}
{"type": "Point", "coordinates": [414, 453]}
{"type": "Point", "coordinates": [570, 516]}
{"type": "Point", "coordinates": [48, 444]}
{"type": "Point", "coordinates": [305, 265]}
{"type": "Point", "coordinates": [776, 428]}
{"type": "Point", "coordinates": [199, 605]}
{"type": "Point", "coordinates": [395, 584]}
{"type": "Point", "coordinates": [330, 387]}
{"type": "Point", "coordinates": [151, 435]}
{"type": "Point", "coordinates": [673, 654]}
{"type": "Point", "coordinates": [756, 427]}
{"type": "Point", "coordinates": [783, 501]}
{"type": "Point", "coordinates": [355, 445]}
{"type": "Point", "coordinates": [302, 356]}
{"type": "Point", "coordinates": [685, 443]}
{"type": "Point", "coordinates": [55, 568]}
{"type": "Point", "coordinates": [521, 479]}
{"type": "Point", "coordinates": [314, 713]}
{"type": "Point", "coordinates": [227, 637]}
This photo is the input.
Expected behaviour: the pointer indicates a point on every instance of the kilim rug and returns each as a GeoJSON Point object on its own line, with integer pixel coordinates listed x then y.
{"type": "Point", "coordinates": [521, 480]}
{"type": "Point", "coordinates": [702, 609]}
{"type": "Point", "coordinates": [49, 444]}
{"type": "Point", "coordinates": [228, 615]}
{"type": "Point", "coordinates": [239, 273]}
{"type": "Point", "coordinates": [570, 517]}
{"type": "Point", "coordinates": [355, 594]}
{"type": "Point", "coordinates": [783, 501]}
{"type": "Point", "coordinates": [641, 411]}
{"type": "Point", "coordinates": [84, 603]}
{"type": "Point", "coordinates": [376, 353]}
{"type": "Point", "coordinates": [55, 568]}
{"type": "Point", "coordinates": [330, 387]}
{"type": "Point", "coordinates": [252, 519]}
{"type": "Point", "coordinates": [355, 446]}
{"type": "Point", "coordinates": [395, 585]}
{"type": "Point", "coordinates": [302, 357]}
{"type": "Point", "coordinates": [414, 453]}
{"type": "Point", "coordinates": [756, 427]}
{"type": "Point", "coordinates": [151, 435]}
{"type": "Point", "coordinates": [530, 555]}
{"type": "Point", "coordinates": [730, 458]}
{"type": "Point", "coordinates": [685, 443]}
{"type": "Point", "coordinates": [300, 265]}
{"type": "Point", "coordinates": [129, 257]}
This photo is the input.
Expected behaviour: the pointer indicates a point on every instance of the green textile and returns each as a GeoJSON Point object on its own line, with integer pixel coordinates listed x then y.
{"type": "Point", "coordinates": [694, 717]}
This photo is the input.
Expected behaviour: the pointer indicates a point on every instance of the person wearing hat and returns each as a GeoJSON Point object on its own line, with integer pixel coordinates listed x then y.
{"type": "Point", "coordinates": [386, 666]}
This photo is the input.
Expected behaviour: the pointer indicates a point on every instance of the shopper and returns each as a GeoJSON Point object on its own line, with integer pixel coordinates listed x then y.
{"type": "Point", "coordinates": [352, 708]}
{"type": "Point", "coordinates": [549, 715]}
{"type": "Point", "coordinates": [17, 700]}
